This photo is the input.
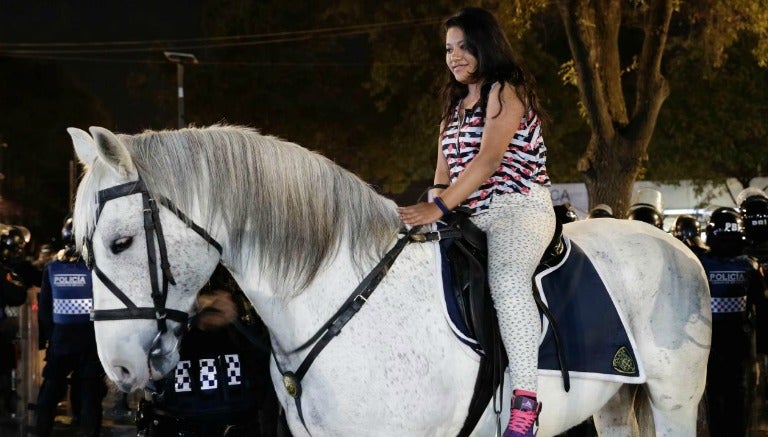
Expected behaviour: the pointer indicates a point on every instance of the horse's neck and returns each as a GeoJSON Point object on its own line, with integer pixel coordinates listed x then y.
{"type": "Point", "coordinates": [293, 320]}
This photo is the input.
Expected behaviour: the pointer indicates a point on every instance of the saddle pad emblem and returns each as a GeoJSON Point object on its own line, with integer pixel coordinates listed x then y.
{"type": "Point", "coordinates": [623, 362]}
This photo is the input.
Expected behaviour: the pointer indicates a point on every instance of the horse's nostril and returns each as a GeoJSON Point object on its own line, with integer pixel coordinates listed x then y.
{"type": "Point", "coordinates": [122, 373]}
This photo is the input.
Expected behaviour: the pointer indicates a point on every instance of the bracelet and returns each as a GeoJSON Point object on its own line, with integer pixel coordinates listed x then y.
{"type": "Point", "coordinates": [440, 204]}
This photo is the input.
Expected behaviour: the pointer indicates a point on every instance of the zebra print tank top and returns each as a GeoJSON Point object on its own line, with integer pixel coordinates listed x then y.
{"type": "Point", "coordinates": [523, 164]}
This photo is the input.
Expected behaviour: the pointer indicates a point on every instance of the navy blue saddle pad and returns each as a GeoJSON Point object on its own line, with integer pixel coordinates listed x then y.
{"type": "Point", "coordinates": [595, 340]}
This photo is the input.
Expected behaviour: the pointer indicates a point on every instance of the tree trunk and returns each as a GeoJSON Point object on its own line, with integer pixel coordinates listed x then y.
{"type": "Point", "coordinates": [619, 141]}
{"type": "Point", "coordinates": [610, 167]}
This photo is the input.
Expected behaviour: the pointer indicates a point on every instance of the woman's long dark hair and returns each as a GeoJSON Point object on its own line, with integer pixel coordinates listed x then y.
{"type": "Point", "coordinates": [495, 62]}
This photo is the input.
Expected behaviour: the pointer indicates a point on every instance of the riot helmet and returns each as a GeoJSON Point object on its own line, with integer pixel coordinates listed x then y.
{"type": "Point", "coordinates": [754, 206]}
{"type": "Point", "coordinates": [646, 213]}
{"type": "Point", "coordinates": [12, 243]}
{"type": "Point", "coordinates": [68, 232]}
{"type": "Point", "coordinates": [599, 211]}
{"type": "Point", "coordinates": [686, 227]}
{"type": "Point", "coordinates": [69, 252]}
{"type": "Point", "coordinates": [647, 207]}
{"type": "Point", "coordinates": [565, 213]}
{"type": "Point", "coordinates": [688, 230]}
{"type": "Point", "coordinates": [725, 232]}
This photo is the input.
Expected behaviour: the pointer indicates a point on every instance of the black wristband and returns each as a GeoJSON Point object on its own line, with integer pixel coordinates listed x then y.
{"type": "Point", "coordinates": [440, 204]}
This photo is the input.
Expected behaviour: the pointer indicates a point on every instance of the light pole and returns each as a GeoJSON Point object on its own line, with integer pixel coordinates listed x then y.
{"type": "Point", "coordinates": [3, 147]}
{"type": "Point", "coordinates": [180, 59]}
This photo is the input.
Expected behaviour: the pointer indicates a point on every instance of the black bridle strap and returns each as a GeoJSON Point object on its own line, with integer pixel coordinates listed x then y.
{"type": "Point", "coordinates": [153, 230]}
{"type": "Point", "coordinates": [122, 190]}
{"type": "Point", "coordinates": [332, 328]}
{"type": "Point", "coordinates": [132, 311]}
{"type": "Point", "coordinates": [157, 294]}
{"type": "Point", "coordinates": [114, 288]}
{"type": "Point", "coordinates": [200, 231]}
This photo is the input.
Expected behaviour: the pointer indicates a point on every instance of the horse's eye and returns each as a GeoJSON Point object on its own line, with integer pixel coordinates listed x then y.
{"type": "Point", "coordinates": [121, 244]}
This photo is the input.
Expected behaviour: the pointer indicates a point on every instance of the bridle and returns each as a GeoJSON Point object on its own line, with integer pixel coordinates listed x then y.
{"type": "Point", "coordinates": [153, 230]}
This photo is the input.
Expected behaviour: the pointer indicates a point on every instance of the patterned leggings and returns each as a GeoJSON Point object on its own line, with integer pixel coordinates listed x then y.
{"type": "Point", "coordinates": [519, 228]}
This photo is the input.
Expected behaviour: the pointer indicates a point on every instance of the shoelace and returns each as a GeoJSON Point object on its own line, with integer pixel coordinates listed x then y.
{"type": "Point", "coordinates": [521, 421]}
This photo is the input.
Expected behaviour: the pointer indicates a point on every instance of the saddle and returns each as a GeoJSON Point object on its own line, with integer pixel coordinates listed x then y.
{"type": "Point", "coordinates": [464, 253]}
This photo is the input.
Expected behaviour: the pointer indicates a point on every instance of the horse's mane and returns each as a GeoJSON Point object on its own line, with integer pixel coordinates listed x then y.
{"type": "Point", "coordinates": [288, 208]}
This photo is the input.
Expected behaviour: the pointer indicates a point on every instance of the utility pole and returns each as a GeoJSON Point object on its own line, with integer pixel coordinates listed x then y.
{"type": "Point", "coordinates": [180, 59]}
{"type": "Point", "coordinates": [3, 147]}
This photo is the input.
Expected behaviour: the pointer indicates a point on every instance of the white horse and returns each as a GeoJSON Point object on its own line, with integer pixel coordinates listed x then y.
{"type": "Point", "coordinates": [299, 234]}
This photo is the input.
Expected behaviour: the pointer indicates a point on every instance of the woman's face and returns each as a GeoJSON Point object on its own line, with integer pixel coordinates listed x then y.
{"type": "Point", "coordinates": [460, 61]}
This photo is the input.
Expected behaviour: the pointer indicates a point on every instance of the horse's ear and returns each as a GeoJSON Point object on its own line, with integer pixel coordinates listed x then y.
{"type": "Point", "coordinates": [85, 147]}
{"type": "Point", "coordinates": [112, 151]}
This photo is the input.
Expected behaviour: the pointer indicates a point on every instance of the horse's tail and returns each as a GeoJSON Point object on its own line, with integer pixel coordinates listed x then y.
{"type": "Point", "coordinates": [644, 413]}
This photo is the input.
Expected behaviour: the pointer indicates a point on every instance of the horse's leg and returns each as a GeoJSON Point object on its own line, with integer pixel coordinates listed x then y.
{"type": "Point", "coordinates": [674, 410]}
{"type": "Point", "coordinates": [617, 417]}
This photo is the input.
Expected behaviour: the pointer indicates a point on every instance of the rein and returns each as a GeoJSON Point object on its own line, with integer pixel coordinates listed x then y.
{"type": "Point", "coordinates": [332, 328]}
{"type": "Point", "coordinates": [154, 231]}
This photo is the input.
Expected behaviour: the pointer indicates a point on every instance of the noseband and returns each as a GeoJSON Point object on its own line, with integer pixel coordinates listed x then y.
{"type": "Point", "coordinates": [153, 230]}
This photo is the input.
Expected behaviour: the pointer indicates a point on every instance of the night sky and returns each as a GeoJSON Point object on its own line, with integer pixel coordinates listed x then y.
{"type": "Point", "coordinates": [80, 21]}
{"type": "Point", "coordinates": [28, 26]}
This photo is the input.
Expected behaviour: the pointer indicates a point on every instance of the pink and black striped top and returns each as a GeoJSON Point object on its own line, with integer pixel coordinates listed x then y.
{"type": "Point", "coordinates": [523, 164]}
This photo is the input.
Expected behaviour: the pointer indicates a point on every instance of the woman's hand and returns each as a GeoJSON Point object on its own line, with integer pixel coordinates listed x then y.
{"type": "Point", "coordinates": [420, 214]}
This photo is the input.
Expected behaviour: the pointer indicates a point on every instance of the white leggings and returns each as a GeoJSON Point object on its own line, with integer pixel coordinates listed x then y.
{"type": "Point", "coordinates": [519, 228]}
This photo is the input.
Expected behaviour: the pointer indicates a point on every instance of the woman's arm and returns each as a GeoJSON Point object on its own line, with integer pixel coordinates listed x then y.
{"type": "Point", "coordinates": [442, 173]}
{"type": "Point", "coordinates": [497, 133]}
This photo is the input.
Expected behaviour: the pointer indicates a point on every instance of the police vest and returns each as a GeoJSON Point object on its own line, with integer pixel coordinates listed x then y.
{"type": "Point", "coordinates": [728, 283]}
{"type": "Point", "coordinates": [211, 381]}
{"type": "Point", "coordinates": [71, 291]}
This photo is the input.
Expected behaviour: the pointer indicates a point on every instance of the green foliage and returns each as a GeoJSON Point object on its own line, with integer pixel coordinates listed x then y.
{"type": "Point", "coordinates": [713, 125]}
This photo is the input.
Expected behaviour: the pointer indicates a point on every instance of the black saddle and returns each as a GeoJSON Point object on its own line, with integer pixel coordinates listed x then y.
{"type": "Point", "coordinates": [467, 254]}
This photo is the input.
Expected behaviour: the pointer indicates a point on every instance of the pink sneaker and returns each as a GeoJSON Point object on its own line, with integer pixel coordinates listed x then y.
{"type": "Point", "coordinates": [524, 414]}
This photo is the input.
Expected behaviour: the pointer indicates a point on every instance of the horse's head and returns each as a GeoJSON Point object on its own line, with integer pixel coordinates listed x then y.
{"type": "Point", "coordinates": [149, 260]}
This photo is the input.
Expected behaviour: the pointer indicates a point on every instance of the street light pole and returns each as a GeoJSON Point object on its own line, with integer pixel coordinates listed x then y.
{"type": "Point", "coordinates": [3, 147]}
{"type": "Point", "coordinates": [180, 59]}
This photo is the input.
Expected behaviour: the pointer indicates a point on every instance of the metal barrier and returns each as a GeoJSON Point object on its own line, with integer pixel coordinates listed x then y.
{"type": "Point", "coordinates": [27, 376]}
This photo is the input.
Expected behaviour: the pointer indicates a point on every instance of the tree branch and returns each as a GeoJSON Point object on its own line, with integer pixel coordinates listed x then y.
{"type": "Point", "coordinates": [608, 23]}
{"type": "Point", "coordinates": [579, 22]}
{"type": "Point", "coordinates": [652, 88]}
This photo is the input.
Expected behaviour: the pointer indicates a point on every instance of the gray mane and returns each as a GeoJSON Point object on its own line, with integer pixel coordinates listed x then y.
{"type": "Point", "coordinates": [288, 207]}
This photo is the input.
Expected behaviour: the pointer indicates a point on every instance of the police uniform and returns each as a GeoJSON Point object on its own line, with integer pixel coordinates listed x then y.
{"type": "Point", "coordinates": [65, 303]}
{"type": "Point", "coordinates": [735, 284]}
{"type": "Point", "coordinates": [13, 292]}
{"type": "Point", "coordinates": [221, 381]}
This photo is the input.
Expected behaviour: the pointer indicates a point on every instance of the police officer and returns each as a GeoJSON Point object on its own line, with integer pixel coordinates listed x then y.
{"type": "Point", "coordinates": [647, 207]}
{"type": "Point", "coordinates": [735, 284]}
{"type": "Point", "coordinates": [13, 292]}
{"type": "Point", "coordinates": [13, 243]}
{"type": "Point", "coordinates": [221, 385]}
{"type": "Point", "coordinates": [65, 303]}
{"type": "Point", "coordinates": [754, 205]}
{"type": "Point", "coordinates": [688, 230]}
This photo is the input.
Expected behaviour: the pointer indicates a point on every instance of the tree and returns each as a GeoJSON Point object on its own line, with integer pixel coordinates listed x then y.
{"type": "Point", "coordinates": [622, 116]}
{"type": "Point", "coordinates": [618, 56]}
